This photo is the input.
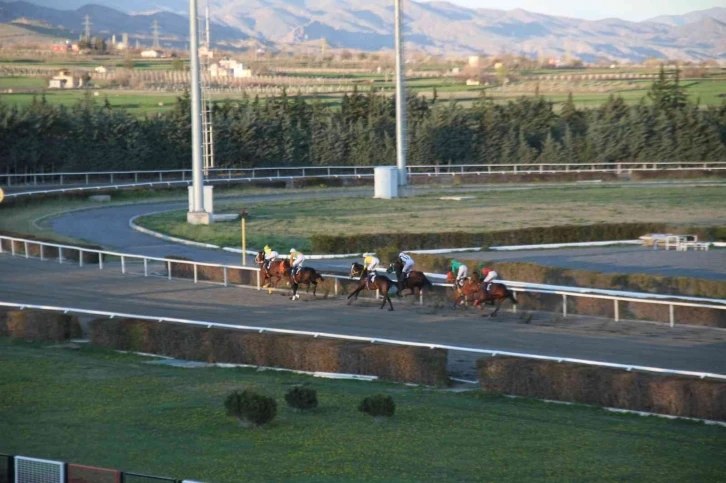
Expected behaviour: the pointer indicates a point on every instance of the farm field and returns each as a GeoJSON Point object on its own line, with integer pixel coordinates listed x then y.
{"type": "Point", "coordinates": [97, 407]}
{"type": "Point", "coordinates": [291, 223]}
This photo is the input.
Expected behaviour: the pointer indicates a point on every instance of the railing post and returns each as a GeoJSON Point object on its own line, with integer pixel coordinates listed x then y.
{"type": "Point", "coordinates": [12, 247]}
{"type": "Point", "coordinates": [378, 294]}
{"type": "Point", "coordinates": [617, 310]}
{"type": "Point", "coordinates": [161, 176]}
{"type": "Point", "coordinates": [672, 317]}
{"type": "Point", "coordinates": [1, 245]}
{"type": "Point", "coordinates": [195, 273]}
{"type": "Point", "coordinates": [168, 268]}
{"type": "Point", "coordinates": [420, 297]}
{"type": "Point", "coordinates": [42, 258]}
{"type": "Point", "coordinates": [87, 183]}
{"type": "Point", "coordinates": [123, 264]}
{"type": "Point", "coordinates": [80, 258]}
{"type": "Point", "coordinates": [111, 178]}
{"type": "Point", "coordinates": [25, 245]}
{"type": "Point", "coordinates": [100, 261]}
{"type": "Point", "coordinates": [335, 286]}
{"type": "Point", "coordinates": [564, 305]}
{"type": "Point", "coordinates": [60, 255]}
{"type": "Point", "coordinates": [224, 271]}
{"type": "Point", "coordinates": [146, 267]}
{"type": "Point", "coordinates": [136, 177]}
{"type": "Point", "coordinates": [258, 280]}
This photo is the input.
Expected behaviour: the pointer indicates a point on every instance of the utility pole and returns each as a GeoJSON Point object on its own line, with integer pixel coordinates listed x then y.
{"type": "Point", "coordinates": [197, 215]}
{"type": "Point", "coordinates": [87, 27]}
{"type": "Point", "coordinates": [400, 98]}
{"type": "Point", "coordinates": [155, 31]}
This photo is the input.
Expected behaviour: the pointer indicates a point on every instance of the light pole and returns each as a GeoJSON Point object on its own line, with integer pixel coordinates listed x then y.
{"type": "Point", "coordinates": [197, 215]}
{"type": "Point", "coordinates": [400, 98]}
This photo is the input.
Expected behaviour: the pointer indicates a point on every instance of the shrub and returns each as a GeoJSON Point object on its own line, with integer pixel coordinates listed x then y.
{"type": "Point", "coordinates": [378, 406]}
{"type": "Point", "coordinates": [302, 398]}
{"type": "Point", "coordinates": [250, 408]}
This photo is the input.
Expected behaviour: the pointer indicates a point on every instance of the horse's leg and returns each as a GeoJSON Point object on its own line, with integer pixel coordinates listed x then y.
{"type": "Point", "coordinates": [389, 302]}
{"type": "Point", "coordinates": [499, 304]}
{"type": "Point", "coordinates": [355, 293]}
{"type": "Point", "coordinates": [294, 291]}
{"type": "Point", "coordinates": [315, 288]}
{"type": "Point", "coordinates": [385, 297]}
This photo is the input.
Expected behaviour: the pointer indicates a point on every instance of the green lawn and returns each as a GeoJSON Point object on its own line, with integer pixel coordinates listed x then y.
{"type": "Point", "coordinates": [136, 103]}
{"type": "Point", "coordinates": [291, 223]}
{"type": "Point", "coordinates": [22, 83]}
{"type": "Point", "coordinates": [97, 407]}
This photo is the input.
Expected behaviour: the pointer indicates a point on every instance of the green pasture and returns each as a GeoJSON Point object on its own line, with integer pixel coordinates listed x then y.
{"type": "Point", "coordinates": [292, 223]}
{"type": "Point", "coordinates": [22, 83]}
{"type": "Point", "coordinates": [97, 407]}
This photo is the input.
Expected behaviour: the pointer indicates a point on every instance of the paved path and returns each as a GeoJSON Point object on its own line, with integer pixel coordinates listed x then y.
{"type": "Point", "coordinates": [109, 227]}
{"type": "Point", "coordinates": [686, 348]}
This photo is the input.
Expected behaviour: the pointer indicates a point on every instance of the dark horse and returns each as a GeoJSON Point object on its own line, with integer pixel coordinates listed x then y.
{"type": "Point", "coordinates": [415, 280]}
{"type": "Point", "coordinates": [275, 271]}
{"type": "Point", "coordinates": [305, 275]}
{"type": "Point", "coordinates": [475, 290]}
{"type": "Point", "coordinates": [380, 283]}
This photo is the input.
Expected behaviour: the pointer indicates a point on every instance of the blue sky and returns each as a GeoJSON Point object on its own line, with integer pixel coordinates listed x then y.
{"type": "Point", "coordinates": [635, 10]}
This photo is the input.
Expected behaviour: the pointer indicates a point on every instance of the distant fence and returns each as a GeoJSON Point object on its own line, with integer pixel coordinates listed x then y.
{"type": "Point", "coordinates": [23, 469]}
{"type": "Point", "coordinates": [126, 179]}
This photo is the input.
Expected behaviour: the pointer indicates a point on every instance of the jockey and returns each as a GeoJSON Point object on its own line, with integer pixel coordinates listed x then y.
{"type": "Point", "coordinates": [297, 260]}
{"type": "Point", "coordinates": [270, 255]}
{"type": "Point", "coordinates": [489, 276]}
{"type": "Point", "coordinates": [460, 271]}
{"type": "Point", "coordinates": [370, 263]}
{"type": "Point", "coordinates": [407, 264]}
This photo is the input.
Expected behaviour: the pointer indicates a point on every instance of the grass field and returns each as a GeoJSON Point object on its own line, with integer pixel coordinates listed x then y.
{"type": "Point", "coordinates": [136, 103]}
{"type": "Point", "coordinates": [96, 407]}
{"type": "Point", "coordinates": [285, 224]}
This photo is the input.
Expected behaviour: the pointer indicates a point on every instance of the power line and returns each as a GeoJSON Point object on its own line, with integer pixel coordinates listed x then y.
{"type": "Point", "coordinates": [155, 30]}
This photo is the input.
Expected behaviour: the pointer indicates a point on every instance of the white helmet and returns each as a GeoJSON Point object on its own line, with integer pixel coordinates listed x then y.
{"type": "Point", "coordinates": [292, 250]}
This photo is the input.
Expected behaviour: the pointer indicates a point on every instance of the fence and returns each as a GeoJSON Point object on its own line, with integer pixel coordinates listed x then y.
{"type": "Point", "coordinates": [122, 179]}
{"type": "Point", "coordinates": [23, 469]}
{"type": "Point", "coordinates": [233, 274]}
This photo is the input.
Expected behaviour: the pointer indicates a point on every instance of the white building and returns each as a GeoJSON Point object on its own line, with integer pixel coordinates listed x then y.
{"type": "Point", "coordinates": [152, 54]}
{"type": "Point", "coordinates": [100, 69]}
{"type": "Point", "coordinates": [239, 71]}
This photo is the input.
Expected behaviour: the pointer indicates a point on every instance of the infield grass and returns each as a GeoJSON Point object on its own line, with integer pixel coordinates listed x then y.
{"type": "Point", "coordinates": [96, 407]}
{"type": "Point", "coordinates": [291, 223]}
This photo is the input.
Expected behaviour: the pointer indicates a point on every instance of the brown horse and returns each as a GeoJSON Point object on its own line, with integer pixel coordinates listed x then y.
{"type": "Point", "coordinates": [415, 280]}
{"type": "Point", "coordinates": [305, 275]}
{"type": "Point", "coordinates": [474, 290]}
{"type": "Point", "coordinates": [380, 283]}
{"type": "Point", "coordinates": [276, 269]}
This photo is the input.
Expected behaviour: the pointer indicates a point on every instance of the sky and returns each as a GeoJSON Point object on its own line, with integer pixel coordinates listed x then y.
{"type": "Point", "coordinates": [634, 10]}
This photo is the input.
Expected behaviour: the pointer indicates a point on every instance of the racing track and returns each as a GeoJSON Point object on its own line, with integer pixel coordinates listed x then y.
{"type": "Point", "coordinates": [686, 348]}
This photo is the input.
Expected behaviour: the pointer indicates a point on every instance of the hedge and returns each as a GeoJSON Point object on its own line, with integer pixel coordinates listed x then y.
{"type": "Point", "coordinates": [396, 363]}
{"type": "Point", "coordinates": [38, 325]}
{"type": "Point", "coordinates": [602, 386]}
{"type": "Point", "coordinates": [523, 236]}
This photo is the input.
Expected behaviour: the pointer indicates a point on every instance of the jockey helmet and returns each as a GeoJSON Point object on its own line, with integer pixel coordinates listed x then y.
{"type": "Point", "coordinates": [485, 271]}
{"type": "Point", "coordinates": [292, 250]}
{"type": "Point", "coordinates": [267, 249]}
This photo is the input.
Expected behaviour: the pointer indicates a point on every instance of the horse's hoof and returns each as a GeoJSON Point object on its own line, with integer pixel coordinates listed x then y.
{"type": "Point", "coordinates": [390, 310]}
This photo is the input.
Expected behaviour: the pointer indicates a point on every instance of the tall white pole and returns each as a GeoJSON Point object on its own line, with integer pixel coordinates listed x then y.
{"type": "Point", "coordinates": [400, 98]}
{"type": "Point", "coordinates": [196, 97]}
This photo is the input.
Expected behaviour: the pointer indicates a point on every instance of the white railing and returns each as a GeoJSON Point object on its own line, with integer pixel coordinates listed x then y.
{"type": "Point", "coordinates": [22, 247]}
{"type": "Point", "coordinates": [156, 177]}
{"type": "Point", "coordinates": [317, 334]}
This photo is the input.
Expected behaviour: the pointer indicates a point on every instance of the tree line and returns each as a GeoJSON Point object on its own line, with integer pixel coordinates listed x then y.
{"type": "Point", "coordinates": [290, 130]}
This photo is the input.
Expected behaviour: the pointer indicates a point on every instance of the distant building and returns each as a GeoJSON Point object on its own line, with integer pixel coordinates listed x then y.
{"type": "Point", "coordinates": [473, 82]}
{"type": "Point", "coordinates": [229, 68]}
{"type": "Point", "coordinates": [475, 60]}
{"type": "Point", "coordinates": [239, 71]}
{"type": "Point", "coordinates": [65, 80]}
{"type": "Point", "coordinates": [456, 70]}
{"type": "Point", "coordinates": [100, 69]}
{"type": "Point", "coordinates": [61, 47]}
{"type": "Point", "coordinates": [152, 54]}
{"type": "Point", "coordinates": [216, 70]}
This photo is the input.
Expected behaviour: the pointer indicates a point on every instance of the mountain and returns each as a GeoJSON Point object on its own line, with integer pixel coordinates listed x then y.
{"type": "Point", "coordinates": [107, 21]}
{"type": "Point", "coordinates": [435, 27]}
{"type": "Point", "coordinates": [718, 13]}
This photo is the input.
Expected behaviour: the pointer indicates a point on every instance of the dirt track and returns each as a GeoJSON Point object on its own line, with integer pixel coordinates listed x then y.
{"type": "Point", "coordinates": [685, 348]}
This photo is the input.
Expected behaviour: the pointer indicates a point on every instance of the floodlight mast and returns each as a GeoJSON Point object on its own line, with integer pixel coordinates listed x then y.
{"type": "Point", "coordinates": [196, 99]}
{"type": "Point", "coordinates": [400, 98]}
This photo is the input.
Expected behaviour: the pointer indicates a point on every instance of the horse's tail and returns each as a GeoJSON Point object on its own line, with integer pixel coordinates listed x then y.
{"type": "Point", "coordinates": [510, 295]}
{"type": "Point", "coordinates": [318, 277]}
{"type": "Point", "coordinates": [427, 283]}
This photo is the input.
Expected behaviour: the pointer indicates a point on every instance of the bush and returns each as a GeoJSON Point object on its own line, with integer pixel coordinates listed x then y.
{"type": "Point", "coordinates": [302, 398]}
{"type": "Point", "coordinates": [250, 408]}
{"type": "Point", "coordinates": [378, 406]}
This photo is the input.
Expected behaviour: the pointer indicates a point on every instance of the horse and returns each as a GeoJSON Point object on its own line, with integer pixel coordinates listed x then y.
{"type": "Point", "coordinates": [276, 270]}
{"type": "Point", "coordinates": [305, 275]}
{"type": "Point", "coordinates": [474, 290]}
{"type": "Point", "coordinates": [380, 283]}
{"type": "Point", "coordinates": [415, 280]}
